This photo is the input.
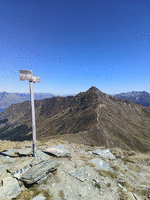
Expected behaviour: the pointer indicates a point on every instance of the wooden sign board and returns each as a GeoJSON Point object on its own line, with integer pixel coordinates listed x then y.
{"type": "Point", "coordinates": [35, 79]}
{"type": "Point", "coordinates": [27, 75]}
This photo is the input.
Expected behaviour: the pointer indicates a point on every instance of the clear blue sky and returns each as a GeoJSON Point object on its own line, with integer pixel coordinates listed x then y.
{"type": "Point", "coordinates": [73, 45]}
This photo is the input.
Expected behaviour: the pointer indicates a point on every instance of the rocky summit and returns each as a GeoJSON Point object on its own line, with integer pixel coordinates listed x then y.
{"type": "Point", "coordinates": [79, 172]}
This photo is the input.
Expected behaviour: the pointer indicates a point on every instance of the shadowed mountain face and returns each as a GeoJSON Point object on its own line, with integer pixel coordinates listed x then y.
{"type": "Point", "coordinates": [90, 117]}
{"type": "Point", "coordinates": [142, 98]}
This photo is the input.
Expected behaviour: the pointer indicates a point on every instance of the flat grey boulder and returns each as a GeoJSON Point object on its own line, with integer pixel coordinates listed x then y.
{"type": "Point", "coordinates": [39, 197]}
{"type": "Point", "coordinates": [18, 168]}
{"type": "Point", "coordinates": [80, 174]}
{"type": "Point", "coordinates": [99, 164]}
{"type": "Point", "coordinates": [9, 189]}
{"type": "Point", "coordinates": [59, 151]}
{"type": "Point", "coordinates": [41, 155]}
{"type": "Point", "coordinates": [104, 153]}
{"type": "Point", "coordinates": [18, 173]}
{"type": "Point", "coordinates": [40, 158]}
{"type": "Point", "coordinates": [39, 171]}
{"type": "Point", "coordinates": [25, 152]}
{"type": "Point", "coordinates": [10, 152]}
{"type": "Point", "coordinates": [17, 152]}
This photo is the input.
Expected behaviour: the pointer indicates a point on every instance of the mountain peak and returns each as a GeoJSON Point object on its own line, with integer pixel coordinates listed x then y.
{"type": "Point", "coordinates": [96, 91]}
{"type": "Point", "coordinates": [93, 89]}
{"type": "Point", "coordinates": [90, 90]}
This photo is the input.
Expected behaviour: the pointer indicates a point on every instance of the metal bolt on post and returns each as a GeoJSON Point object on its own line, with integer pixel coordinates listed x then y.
{"type": "Point", "coordinates": [27, 75]}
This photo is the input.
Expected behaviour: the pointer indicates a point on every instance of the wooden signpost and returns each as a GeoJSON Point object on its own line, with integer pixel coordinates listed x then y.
{"type": "Point", "coordinates": [27, 75]}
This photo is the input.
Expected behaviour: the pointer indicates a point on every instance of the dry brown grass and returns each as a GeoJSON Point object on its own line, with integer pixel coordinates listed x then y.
{"type": "Point", "coordinates": [131, 156]}
{"type": "Point", "coordinates": [25, 195]}
{"type": "Point", "coordinates": [144, 157]}
{"type": "Point", "coordinates": [91, 164]}
{"type": "Point", "coordinates": [28, 194]}
{"type": "Point", "coordinates": [61, 194]}
{"type": "Point", "coordinates": [134, 168]}
{"type": "Point", "coordinates": [116, 168]}
{"type": "Point", "coordinates": [111, 174]}
{"type": "Point", "coordinates": [6, 144]}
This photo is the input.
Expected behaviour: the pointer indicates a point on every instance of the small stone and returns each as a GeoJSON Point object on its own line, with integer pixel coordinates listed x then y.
{"type": "Point", "coordinates": [123, 188]}
{"type": "Point", "coordinates": [105, 182]}
{"type": "Point", "coordinates": [83, 191]}
{"type": "Point", "coordinates": [96, 180]}
{"type": "Point", "coordinates": [121, 181]}
{"type": "Point", "coordinates": [130, 196]}
{"type": "Point", "coordinates": [39, 197]}
{"type": "Point", "coordinates": [121, 174]}
{"type": "Point", "coordinates": [100, 164]}
{"type": "Point", "coordinates": [80, 174]}
{"type": "Point", "coordinates": [104, 154]}
{"type": "Point", "coordinates": [136, 197]}
{"type": "Point", "coordinates": [120, 185]}
{"type": "Point", "coordinates": [53, 184]}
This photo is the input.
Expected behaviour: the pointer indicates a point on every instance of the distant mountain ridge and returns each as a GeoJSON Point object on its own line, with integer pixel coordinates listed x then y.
{"type": "Point", "coordinates": [140, 97]}
{"type": "Point", "coordinates": [7, 99]}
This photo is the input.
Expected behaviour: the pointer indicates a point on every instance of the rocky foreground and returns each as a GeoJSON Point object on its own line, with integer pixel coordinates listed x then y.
{"type": "Point", "coordinates": [64, 171]}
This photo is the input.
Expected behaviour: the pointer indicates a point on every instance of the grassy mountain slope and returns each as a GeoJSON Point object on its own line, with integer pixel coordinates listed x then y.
{"type": "Point", "coordinates": [91, 117]}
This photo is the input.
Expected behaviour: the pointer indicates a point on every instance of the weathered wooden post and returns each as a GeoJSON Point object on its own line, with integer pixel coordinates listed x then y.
{"type": "Point", "coordinates": [27, 75]}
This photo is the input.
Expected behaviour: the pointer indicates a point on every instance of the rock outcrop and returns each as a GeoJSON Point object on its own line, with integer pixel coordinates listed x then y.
{"type": "Point", "coordinates": [88, 173]}
{"type": "Point", "coordinates": [59, 151]}
{"type": "Point", "coordinates": [104, 154]}
{"type": "Point", "coordinates": [39, 171]}
{"type": "Point", "coordinates": [10, 188]}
